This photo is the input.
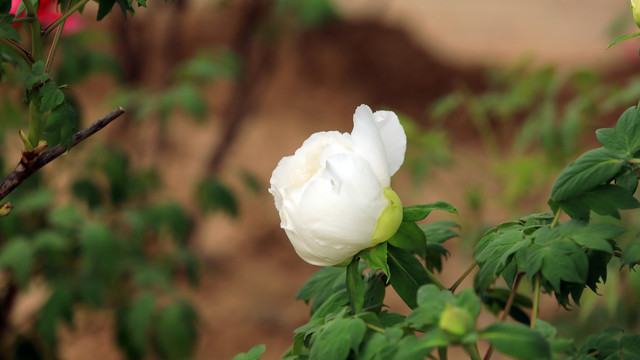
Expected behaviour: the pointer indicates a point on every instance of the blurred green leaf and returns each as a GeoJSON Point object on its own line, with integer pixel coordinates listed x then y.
{"type": "Point", "coordinates": [213, 195]}
{"type": "Point", "coordinates": [253, 354]}
{"type": "Point", "coordinates": [87, 190]}
{"type": "Point", "coordinates": [517, 340]}
{"type": "Point", "coordinates": [176, 333]}
{"type": "Point", "coordinates": [17, 256]}
{"type": "Point", "coordinates": [60, 125]}
{"type": "Point", "coordinates": [59, 306]}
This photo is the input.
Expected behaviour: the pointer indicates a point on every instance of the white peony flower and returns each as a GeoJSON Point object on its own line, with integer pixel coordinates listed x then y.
{"type": "Point", "coordinates": [333, 194]}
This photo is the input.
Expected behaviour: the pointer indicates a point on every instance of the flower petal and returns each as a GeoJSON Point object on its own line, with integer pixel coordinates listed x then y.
{"type": "Point", "coordinates": [339, 210]}
{"type": "Point", "coordinates": [393, 138]}
{"type": "Point", "coordinates": [368, 143]}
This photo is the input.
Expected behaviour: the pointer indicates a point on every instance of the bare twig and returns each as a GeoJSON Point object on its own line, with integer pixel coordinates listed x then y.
{"type": "Point", "coordinates": [24, 170]}
{"type": "Point", "coordinates": [256, 66]}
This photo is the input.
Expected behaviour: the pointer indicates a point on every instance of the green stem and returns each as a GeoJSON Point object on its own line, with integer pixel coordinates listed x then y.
{"type": "Point", "coordinates": [435, 280]}
{"type": "Point", "coordinates": [507, 308]}
{"type": "Point", "coordinates": [536, 301]}
{"type": "Point", "coordinates": [472, 351]}
{"type": "Point", "coordinates": [21, 20]}
{"type": "Point", "coordinates": [46, 31]}
{"type": "Point", "coordinates": [442, 352]}
{"type": "Point", "coordinates": [54, 46]}
{"type": "Point", "coordinates": [22, 52]}
{"type": "Point", "coordinates": [376, 328]}
{"type": "Point", "coordinates": [34, 26]}
{"type": "Point", "coordinates": [464, 276]}
{"type": "Point", "coordinates": [556, 216]}
{"type": "Point", "coordinates": [35, 124]}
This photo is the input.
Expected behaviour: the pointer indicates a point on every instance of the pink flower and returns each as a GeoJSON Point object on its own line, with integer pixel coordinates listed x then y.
{"type": "Point", "coordinates": [48, 12]}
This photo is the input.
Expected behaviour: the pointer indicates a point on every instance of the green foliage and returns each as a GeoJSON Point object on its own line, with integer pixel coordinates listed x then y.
{"type": "Point", "coordinates": [213, 195]}
{"type": "Point", "coordinates": [307, 14]}
{"type": "Point", "coordinates": [176, 332]}
{"type": "Point", "coordinates": [517, 340]}
{"type": "Point", "coordinates": [253, 354]}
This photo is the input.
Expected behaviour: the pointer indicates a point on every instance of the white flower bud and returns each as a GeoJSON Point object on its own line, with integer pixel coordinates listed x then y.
{"type": "Point", "coordinates": [333, 194]}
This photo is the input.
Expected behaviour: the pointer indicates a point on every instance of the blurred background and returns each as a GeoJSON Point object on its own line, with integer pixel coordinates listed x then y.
{"type": "Point", "coordinates": [496, 98]}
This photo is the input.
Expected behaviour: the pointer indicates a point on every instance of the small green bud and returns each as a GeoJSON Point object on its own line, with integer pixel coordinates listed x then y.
{"type": "Point", "coordinates": [390, 219]}
{"type": "Point", "coordinates": [456, 321]}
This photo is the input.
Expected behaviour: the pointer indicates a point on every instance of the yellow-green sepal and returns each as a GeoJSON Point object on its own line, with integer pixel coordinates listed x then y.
{"type": "Point", "coordinates": [390, 219]}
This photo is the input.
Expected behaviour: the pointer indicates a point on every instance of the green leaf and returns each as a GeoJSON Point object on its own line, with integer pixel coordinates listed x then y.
{"type": "Point", "coordinates": [419, 212]}
{"type": "Point", "coordinates": [86, 190]}
{"type": "Point", "coordinates": [213, 195]}
{"type": "Point", "coordinates": [631, 256]}
{"type": "Point", "coordinates": [516, 340]}
{"type": "Point", "coordinates": [376, 258]}
{"type": "Point", "coordinates": [558, 259]}
{"type": "Point", "coordinates": [610, 139]}
{"type": "Point", "coordinates": [38, 74]}
{"type": "Point", "coordinates": [410, 237]}
{"type": "Point", "coordinates": [99, 250]}
{"type": "Point", "coordinates": [621, 38]}
{"type": "Point", "coordinates": [431, 303]}
{"type": "Point", "coordinates": [253, 354]}
{"type": "Point", "coordinates": [17, 256]}
{"type": "Point", "coordinates": [498, 252]}
{"type": "Point", "coordinates": [439, 231]}
{"type": "Point", "coordinates": [58, 307]}
{"type": "Point", "coordinates": [337, 338]}
{"type": "Point", "coordinates": [322, 280]}
{"type": "Point", "coordinates": [607, 199]}
{"type": "Point", "coordinates": [135, 326]}
{"type": "Point", "coordinates": [104, 8]}
{"type": "Point", "coordinates": [628, 128]}
{"type": "Point", "coordinates": [61, 124]}
{"type": "Point", "coordinates": [593, 168]}
{"type": "Point", "coordinates": [9, 32]}
{"type": "Point", "coordinates": [374, 292]}
{"type": "Point", "coordinates": [628, 180]}
{"type": "Point", "coordinates": [176, 332]}
{"type": "Point", "coordinates": [51, 96]}
{"type": "Point", "coordinates": [355, 288]}
{"type": "Point", "coordinates": [407, 274]}
{"type": "Point", "coordinates": [592, 236]}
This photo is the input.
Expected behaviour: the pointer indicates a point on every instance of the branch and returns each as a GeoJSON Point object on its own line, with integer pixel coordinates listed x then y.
{"type": "Point", "coordinates": [24, 170]}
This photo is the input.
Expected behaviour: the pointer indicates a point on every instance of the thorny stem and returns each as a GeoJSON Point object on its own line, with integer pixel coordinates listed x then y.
{"type": "Point", "coordinates": [464, 276]}
{"type": "Point", "coordinates": [507, 308]}
{"type": "Point", "coordinates": [46, 31]}
{"type": "Point", "coordinates": [24, 53]}
{"type": "Point", "coordinates": [536, 301]}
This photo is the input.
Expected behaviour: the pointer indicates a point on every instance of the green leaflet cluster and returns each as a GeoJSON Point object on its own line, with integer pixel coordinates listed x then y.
{"type": "Point", "coordinates": [568, 257]}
